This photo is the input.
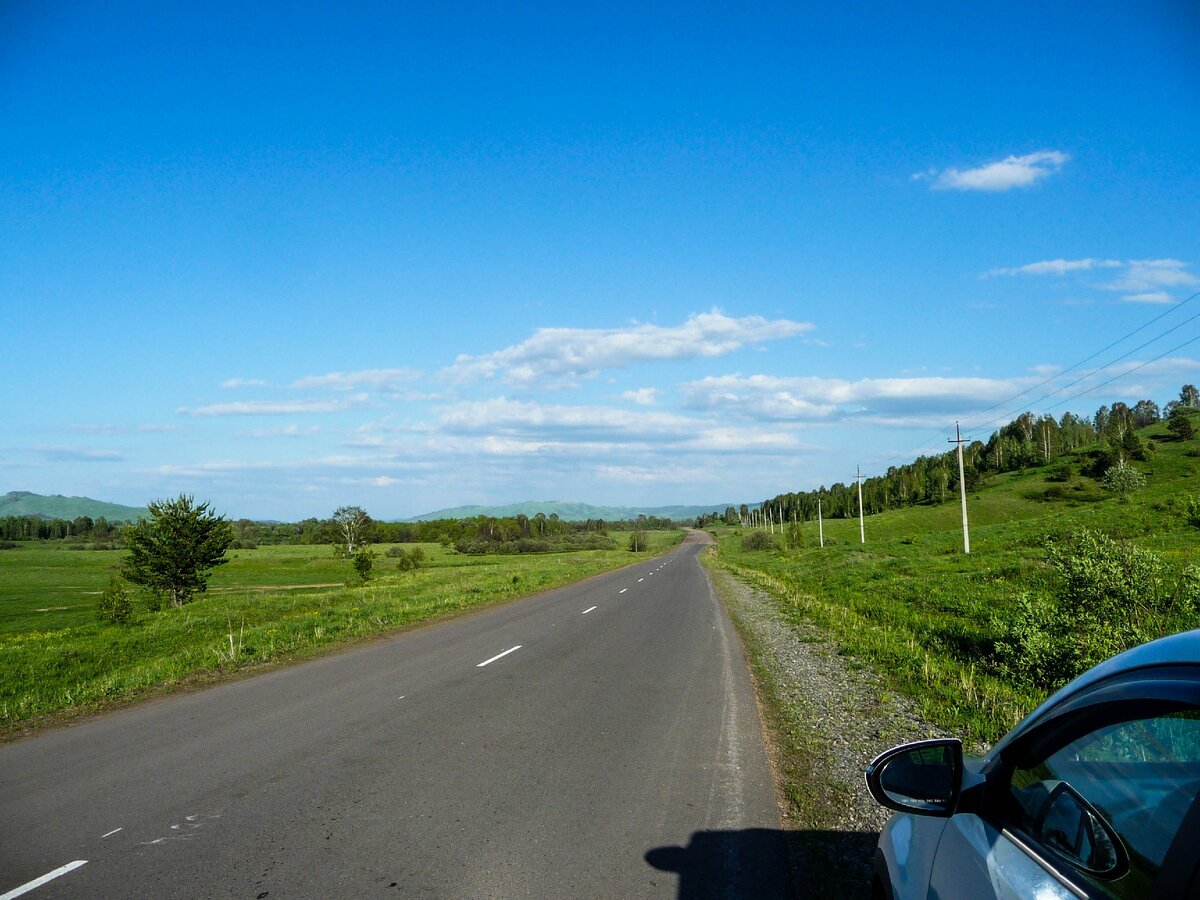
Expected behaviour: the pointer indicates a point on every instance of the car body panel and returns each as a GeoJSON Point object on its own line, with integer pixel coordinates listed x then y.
{"type": "Point", "coordinates": [968, 856]}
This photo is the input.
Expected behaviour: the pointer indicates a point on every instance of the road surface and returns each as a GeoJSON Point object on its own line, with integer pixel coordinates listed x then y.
{"type": "Point", "coordinates": [600, 740]}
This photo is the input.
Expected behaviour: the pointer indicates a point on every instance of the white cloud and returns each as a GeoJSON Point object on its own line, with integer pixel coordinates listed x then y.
{"type": "Point", "coordinates": [390, 380]}
{"type": "Point", "coordinates": [243, 382]}
{"type": "Point", "coordinates": [642, 396]}
{"type": "Point", "coordinates": [124, 429]}
{"type": "Point", "coordinates": [1149, 297]}
{"type": "Point", "coordinates": [558, 422]}
{"type": "Point", "coordinates": [287, 431]}
{"type": "Point", "coordinates": [80, 454]}
{"type": "Point", "coordinates": [1141, 280]}
{"type": "Point", "coordinates": [274, 408]}
{"type": "Point", "coordinates": [1008, 173]}
{"type": "Point", "coordinates": [1143, 275]}
{"type": "Point", "coordinates": [813, 399]}
{"type": "Point", "coordinates": [559, 357]}
{"type": "Point", "coordinates": [1058, 267]}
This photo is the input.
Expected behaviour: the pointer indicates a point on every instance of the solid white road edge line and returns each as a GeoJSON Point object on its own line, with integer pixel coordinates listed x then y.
{"type": "Point", "coordinates": [38, 882]}
{"type": "Point", "coordinates": [111, 833]}
{"type": "Point", "coordinates": [588, 610]}
{"type": "Point", "coordinates": [480, 666]}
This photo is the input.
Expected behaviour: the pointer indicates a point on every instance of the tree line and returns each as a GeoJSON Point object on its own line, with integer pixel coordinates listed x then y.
{"type": "Point", "coordinates": [1097, 443]}
{"type": "Point", "coordinates": [248, 533]}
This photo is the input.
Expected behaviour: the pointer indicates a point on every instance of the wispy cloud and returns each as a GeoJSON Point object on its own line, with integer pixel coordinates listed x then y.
{"type": "Point", "coordinates": [1057, 267]}
{"type": "Point", "coordinates": [387, 380]}
{"type": "Point", "coordinates": [562, 357]}
{"type": "Point", "coordinates": [1149, 297]}
{"type": "Point", "coordinates": [814, 399]}
{"type": "Point", "coordinates": [124, 429]}
{"type": "Point", "coordinates": [287, 431]}
{"type": "Point", "coordinates": [79, 454]}
{"type": "Point", "coordinates": [231, 383]}
{"type": "Point", "coordinates": [1003, 175]}
{"type": "Point", "coordinates": [642, 396]}
{"type": "Point", "coordinates": [275, 407]}
{"type": "Point", "coordinates": [1141, 280]}
{"type": "Point", "coordinates": [1143, 275]}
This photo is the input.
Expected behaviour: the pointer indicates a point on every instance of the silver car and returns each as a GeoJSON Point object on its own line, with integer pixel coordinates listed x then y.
{"type": "Point", "coordinates": [1095, 794]}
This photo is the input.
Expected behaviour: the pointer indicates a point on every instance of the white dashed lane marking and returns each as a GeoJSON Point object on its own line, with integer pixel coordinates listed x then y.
{"type": "Point", "coordinates": [38, 882]}
{"type": "Point", "coordinates": [498, 656]}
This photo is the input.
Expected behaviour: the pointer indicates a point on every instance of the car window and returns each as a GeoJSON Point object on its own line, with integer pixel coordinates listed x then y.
{"type": "Point", "coordinates": [1138, 777]}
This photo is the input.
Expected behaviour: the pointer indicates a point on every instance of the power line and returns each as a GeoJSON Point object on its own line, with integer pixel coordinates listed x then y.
{"type": "Point", "coordinates": [970, 417]}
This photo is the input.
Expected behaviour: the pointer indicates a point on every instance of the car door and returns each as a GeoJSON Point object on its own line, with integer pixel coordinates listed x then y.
{"type": "Point", "coordinates": [1099, 799]}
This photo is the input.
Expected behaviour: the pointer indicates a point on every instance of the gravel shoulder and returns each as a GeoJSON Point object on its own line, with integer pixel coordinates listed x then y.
{"type": "Point", "coordinates": [825, 716]}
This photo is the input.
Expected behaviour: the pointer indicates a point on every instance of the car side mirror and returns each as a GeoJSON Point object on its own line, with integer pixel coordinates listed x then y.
{"type": "Point", "coordinates": [923, 778]}
{"type": "Point", "coordinates": [1075, 830]}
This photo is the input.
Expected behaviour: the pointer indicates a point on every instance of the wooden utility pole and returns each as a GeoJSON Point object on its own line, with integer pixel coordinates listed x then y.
{"type": "Point", "coordinates": [820, 524]}
{"type": "Point", "coordinates": [862, 533]}
{"type": "Point", "coordinates": [962, 488]}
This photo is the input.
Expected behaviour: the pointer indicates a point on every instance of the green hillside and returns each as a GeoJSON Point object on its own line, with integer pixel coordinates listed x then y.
{"type": "Point", "coordinates": [56, 506]}
{"type": "Point", "coordinates": [571, 511]}
{"type": "Point", "coordinates": [934, 621]}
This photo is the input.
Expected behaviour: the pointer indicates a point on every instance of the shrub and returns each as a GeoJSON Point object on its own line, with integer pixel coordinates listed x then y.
{"type": "Point", "coordinates": [1191, 511]}
{"type": "Point", "coordinates": [637, 541]}
{"type": "Point", "coordinates": [1123, 479]}
{"type": "Point", "coordinates": [1030, 646]}
{"type": "Point", "coordinates": [1181, 427]}
{"type": "Point", "coordinates": [759, 540]}
{"type": "Point", "coordinates": [1061, 473]}
{"type": "Point", "coordinates": [1110, 596]}
{"type": "Point", "coordinates": [115, 604]}
{"type": "Point", "coordinates": [364, 562]}
{"type": "Point", "coordinates": [408, 560]}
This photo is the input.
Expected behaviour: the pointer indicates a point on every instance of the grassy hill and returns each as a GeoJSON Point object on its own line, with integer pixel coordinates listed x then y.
{"type": "Point", "coordinates": [928, 617]}
{"type": "Point", "coordinates": [571, 511]}
{"type": "Point", "coordinates": [56, 506]}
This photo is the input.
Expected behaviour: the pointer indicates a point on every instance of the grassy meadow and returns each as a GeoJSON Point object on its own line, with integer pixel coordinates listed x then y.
{"type": "Point", "coordinates": [912, 606]}
{"type": "Point", "coordinates": [264, 605]}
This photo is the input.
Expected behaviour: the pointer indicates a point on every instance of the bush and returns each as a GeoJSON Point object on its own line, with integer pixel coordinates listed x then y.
{"type": "Point", "coordinates": [1123, 479]}
{"type": "Point", "coordinates": [638, 541]}
{"type": "Point", "coordinates": [1181, 427]}
{"type": "Point", "coordinates": [408, 560]}
{"type": "Point", "coordinates": [115, 604]}
{"type": "Point", "coordinates": [364, 562]}
{"type": "Point", "coordinates": [8, 545]}
{"type": "Point", "coordinates": [1110, 596]}
{"type": "Point", "coordinates": [1062, 473]}
{"type": "Point", "coordinates": [760, 540]}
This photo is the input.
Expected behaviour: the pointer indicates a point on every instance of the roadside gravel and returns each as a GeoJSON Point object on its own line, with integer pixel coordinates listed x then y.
{"type": "Point", "coordinates": [826, 717]}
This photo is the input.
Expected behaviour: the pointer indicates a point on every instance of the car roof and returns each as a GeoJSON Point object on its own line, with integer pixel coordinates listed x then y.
{"type": "Point", "coordinates": [1174, 650]}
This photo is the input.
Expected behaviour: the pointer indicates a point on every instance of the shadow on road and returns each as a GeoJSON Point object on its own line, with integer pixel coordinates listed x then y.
{"type": "Point", "coordinates": [754, 863]}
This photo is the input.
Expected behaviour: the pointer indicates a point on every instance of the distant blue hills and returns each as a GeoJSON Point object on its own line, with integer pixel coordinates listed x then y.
{"type": "Point", "coordinates": [56, 506]}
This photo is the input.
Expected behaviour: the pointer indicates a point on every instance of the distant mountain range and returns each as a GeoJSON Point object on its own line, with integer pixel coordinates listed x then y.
{"type": "Point", "coordinates": [571, 511]}
{"type": "Point", "coordinates": [56, 506]}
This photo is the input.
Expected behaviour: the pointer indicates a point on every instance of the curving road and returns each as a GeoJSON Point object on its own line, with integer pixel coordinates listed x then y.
{"type": "Point", "coordinates": [600, 740]}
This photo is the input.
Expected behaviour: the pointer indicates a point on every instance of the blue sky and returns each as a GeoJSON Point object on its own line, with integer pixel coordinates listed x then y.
{"type": "Point", "coordinates": [295, 256]}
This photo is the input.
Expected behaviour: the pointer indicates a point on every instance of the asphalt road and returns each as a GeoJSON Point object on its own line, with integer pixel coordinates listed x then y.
{"type": "Point", "coordinates": [601, 740]}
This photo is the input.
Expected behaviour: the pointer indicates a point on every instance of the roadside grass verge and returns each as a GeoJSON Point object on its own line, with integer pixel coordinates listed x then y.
{"type": "Point", "coordinates": [49, 673]}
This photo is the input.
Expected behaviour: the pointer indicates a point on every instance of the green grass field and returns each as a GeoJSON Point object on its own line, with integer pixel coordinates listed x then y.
{"type": "Point", "coordinates": [264, 605]}
{"type": "Point", "coordinates": [913, 606]}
